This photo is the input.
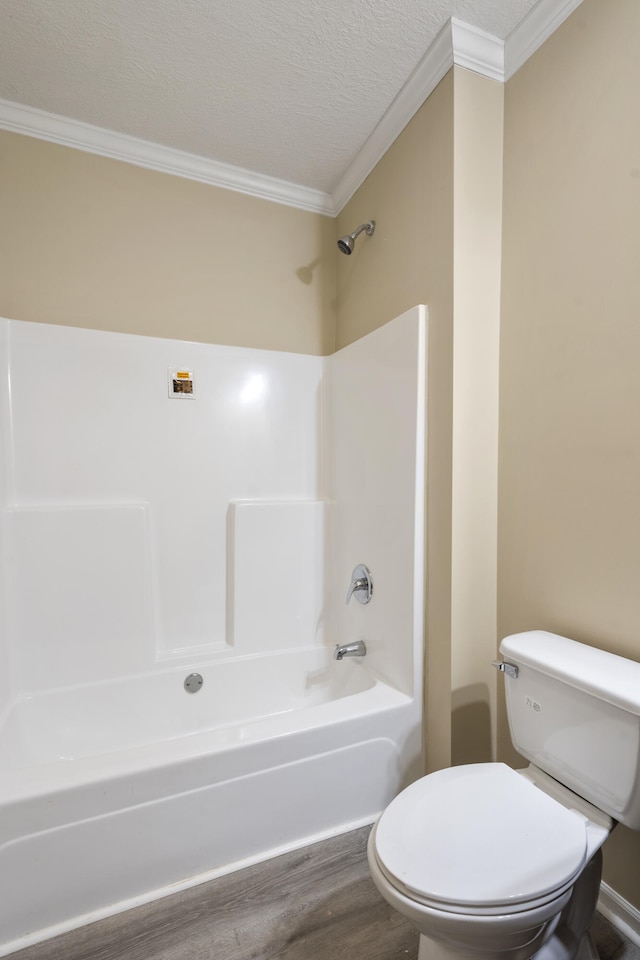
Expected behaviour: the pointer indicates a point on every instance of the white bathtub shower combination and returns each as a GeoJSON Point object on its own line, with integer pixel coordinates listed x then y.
{"type": "Point", "coordinates": [147, 538]}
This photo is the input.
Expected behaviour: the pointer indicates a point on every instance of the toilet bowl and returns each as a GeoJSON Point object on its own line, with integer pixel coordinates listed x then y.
{"type": "Point", "coordinates": [482, 861]}
{"type": "Point", "coordinates": [486, 861]}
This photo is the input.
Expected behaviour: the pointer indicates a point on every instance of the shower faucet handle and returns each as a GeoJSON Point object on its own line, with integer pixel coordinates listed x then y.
{"type": "Point", "coordinates": [361, 586]}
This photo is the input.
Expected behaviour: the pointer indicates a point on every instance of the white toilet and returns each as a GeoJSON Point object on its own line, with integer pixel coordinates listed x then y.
{"type": "Point", "coordinates": [490, 862]}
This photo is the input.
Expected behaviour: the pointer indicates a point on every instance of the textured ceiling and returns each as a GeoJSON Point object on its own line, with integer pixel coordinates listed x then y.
{"type": "Point", "coordinates": [288, 88]}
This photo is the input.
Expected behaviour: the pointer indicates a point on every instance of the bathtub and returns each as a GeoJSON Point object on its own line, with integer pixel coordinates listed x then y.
{"type": "Point", "coordinates": [117, 793]}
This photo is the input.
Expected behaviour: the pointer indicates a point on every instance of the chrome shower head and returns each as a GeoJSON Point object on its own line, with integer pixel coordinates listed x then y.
{"type": "Point", "coordinates": [347, 243]}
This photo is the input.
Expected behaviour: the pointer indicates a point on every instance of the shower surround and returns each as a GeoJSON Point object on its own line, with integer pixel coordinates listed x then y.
{"type": "Point", "coordinates": [146, 537]}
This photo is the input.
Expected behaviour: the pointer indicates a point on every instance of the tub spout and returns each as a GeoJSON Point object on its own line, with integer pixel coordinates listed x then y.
{"type": "Point", "coordinates": [355, 649]}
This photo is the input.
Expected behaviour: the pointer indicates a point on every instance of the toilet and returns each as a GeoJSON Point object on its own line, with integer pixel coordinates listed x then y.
{"type": "Point", "coordinates": [486, 861]}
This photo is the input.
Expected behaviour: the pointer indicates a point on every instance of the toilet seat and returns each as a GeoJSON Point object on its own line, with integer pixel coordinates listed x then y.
{"type": "Point", "coordinates": [480, 839]}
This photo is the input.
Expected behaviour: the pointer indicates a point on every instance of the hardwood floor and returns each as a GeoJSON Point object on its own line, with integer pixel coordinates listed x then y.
{"type": "Point", "coordinates": [317, 903]}
{"type": "Point", "coordinates": [313, 904]}
{"type": "Point", "coordinates": [610, 943]}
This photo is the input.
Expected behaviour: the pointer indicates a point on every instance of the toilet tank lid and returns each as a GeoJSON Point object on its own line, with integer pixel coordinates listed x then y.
{"type": "Point", "coordinates": [599, 673]}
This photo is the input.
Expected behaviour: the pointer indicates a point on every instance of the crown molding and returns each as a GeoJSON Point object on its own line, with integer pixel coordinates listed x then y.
{"type": "Point", "coordinates": [538, 25]}
{"type": "Point", "coordinates": [119, 146]}
{"type": "Point", "coordinates": [477, 50]}
{"type": "Point", "coordinates": [427, 75]}
{"type": "Point", "coordinates": [457, 43]}
{"type": "Point", "coordinates": [463, 45]}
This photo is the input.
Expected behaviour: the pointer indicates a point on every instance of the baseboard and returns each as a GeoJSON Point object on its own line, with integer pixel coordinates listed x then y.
{"type": "Point", "coordinates": [620, 913]}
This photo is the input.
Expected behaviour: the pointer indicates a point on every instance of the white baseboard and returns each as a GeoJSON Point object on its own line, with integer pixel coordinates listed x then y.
{"type": "Point", "coordinates": [620, 913]}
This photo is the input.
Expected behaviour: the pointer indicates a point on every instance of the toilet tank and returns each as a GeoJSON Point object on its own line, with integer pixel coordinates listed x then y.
{"type": "Point", "coordinates": [574, 712]}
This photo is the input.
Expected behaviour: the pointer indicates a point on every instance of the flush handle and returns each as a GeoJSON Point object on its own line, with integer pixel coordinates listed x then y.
{"type": "Point", "coordinates": [509, 668]}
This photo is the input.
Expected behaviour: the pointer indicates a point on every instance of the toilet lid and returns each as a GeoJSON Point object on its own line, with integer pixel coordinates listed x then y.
{"type": "Point", "coordinates": [479, 836]}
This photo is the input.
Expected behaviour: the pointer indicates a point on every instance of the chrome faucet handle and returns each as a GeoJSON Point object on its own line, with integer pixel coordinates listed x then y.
{"type": "Point", "coordinates": [361, 584]}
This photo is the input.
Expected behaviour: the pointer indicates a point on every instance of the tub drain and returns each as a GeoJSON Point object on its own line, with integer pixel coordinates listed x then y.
{"type": "Point", "coordinates": [193, 682]}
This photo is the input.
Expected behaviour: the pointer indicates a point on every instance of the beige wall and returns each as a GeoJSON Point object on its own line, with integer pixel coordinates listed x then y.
{"type": "Point", "coordinates": [569, 519]}
{"type": "Point", "coordinates": [409, 260]}
{"type": "Point", "coordinates": [410, 196]}
{"type": "Point", "coordinates": [436, 198]}
{"type": "Point", "coordinates": [478, 127]}
{"type": "Point", "coordinates": [93, 242]}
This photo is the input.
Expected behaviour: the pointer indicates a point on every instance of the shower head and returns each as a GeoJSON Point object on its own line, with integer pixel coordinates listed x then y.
{"type": "Point", "coordinates": [347, 243]}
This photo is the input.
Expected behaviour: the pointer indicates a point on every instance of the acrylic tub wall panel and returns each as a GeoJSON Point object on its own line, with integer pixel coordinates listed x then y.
{"type": "Point", "coordinates": [376, 414]}
{"type": "Point", "coordinates": [79, 588]}
{"type": "Point", "coordinates": [276, 589]}
{"type": "Point", "coordinates": [92, 425]}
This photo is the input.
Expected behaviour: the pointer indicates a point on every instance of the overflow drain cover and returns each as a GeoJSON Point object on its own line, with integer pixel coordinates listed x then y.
{"type": "Point", "coordinates": [193, 682]}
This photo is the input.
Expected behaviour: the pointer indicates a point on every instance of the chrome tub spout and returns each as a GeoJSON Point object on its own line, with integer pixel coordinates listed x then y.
{"type": "Point", "coordinates": [355, 649]}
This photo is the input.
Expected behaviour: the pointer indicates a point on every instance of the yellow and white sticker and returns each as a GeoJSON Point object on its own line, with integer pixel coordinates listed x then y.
{"type": "Point", "coordinates": [181, 385]}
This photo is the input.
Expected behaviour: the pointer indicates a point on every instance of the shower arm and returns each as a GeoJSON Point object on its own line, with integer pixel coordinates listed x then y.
{"type": "Point", "coordinates": [368, 228]}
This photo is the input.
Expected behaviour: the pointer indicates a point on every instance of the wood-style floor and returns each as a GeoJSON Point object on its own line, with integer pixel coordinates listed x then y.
{"type": "Point", "coordinates": [317, 903]}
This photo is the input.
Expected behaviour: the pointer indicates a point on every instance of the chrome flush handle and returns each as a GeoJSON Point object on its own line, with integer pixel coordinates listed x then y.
{"type": "Point", "coordinates": [509, 668]}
